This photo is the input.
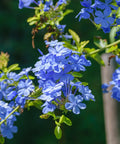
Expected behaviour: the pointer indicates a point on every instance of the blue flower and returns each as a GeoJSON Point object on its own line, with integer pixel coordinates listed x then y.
{"type": "Point", "coordinates": [104, 88]}
{"type": "Point", "coordinates": [118, 21]}
{"type": "Point", "coordinates": [78, 63]}
{"type": "Point", "coordinates": [106, 30]}
{"type": "Point", "coordinates": [61, 28]}
{"type": "Point", "coordinates": [48, 107]}
{"type": "Point", "coordinates": [97, 4]}
{"type": "Point", "coordinates": [8, 129]}
{"type": "Point", "coordinates": [116, 93]}
{"type": "Point", "coordinates": [25, 71]}
{"type": "Point", "coordinates": [83, 14]}
{"type": "Point", "coordinates": [118, 2]}
{"type": "Point", "coordinates": [51, 91]}
{"type": "Point", "coordinates": [11, 95]}
{"type": "Point", "coordinates": [47, 5]}
{"type": "Point", "coordinates": [60, 2]}
{"type": "Point", "coordinates": [3, 112]}
{"type": "Point", "coordinates": [103, 19]}
{"type": "Point", "coordinates": [12, 77]}
{"type": "Point", "coordinates": [25, 87]}
{"type": "Point", "coordinates": [67, 36]}
{"type": "Point", "coordinates": [117, 59]}
{"type": "Point", "coordinates": [25, 3]}
{"type": "Point", "coordinates": [86, 3]}
{"type": "Point", "coordinates": [3, 87]}
{"type": "Point", "coordinates": [20, 100]}
{"type": "Point", "coordinates": [86, 93]}
{"type": "Point", "coordinates": [75, 104]}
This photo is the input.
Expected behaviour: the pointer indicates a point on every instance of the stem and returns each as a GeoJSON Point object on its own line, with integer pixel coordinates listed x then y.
{"type": "Point", "coordinates": [9, 115]}
{"type": "Point", "coordinates": [99, 50]}
{"type": "Point", "coordinates": [114, 43]}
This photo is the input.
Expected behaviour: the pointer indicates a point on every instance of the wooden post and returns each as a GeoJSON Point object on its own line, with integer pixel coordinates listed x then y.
{"type": "Point", "coordinates": [110, 105]}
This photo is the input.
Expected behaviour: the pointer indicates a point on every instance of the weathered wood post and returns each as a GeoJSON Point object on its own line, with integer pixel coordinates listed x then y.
{"type": "Point", "coordinates": [110, 105]}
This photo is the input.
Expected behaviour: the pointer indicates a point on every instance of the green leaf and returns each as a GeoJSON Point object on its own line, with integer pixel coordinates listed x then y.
{"type": "Point", "coordinates": [42, 26]}
{"type": "Point", "coordinates": [47, 36]}
{"type": "Point", "coordinates": [77, 74]}
{"type": "Point", "coordinates": [68, 45]}
{"type": "Point", "coordinates": [35, 103]}
{"type": "Point", "coordinates": [75, 37]}
{"type": "Point", "coordinates": [96, 56]}
{"type": "Point", "coordinates": [52, 114]}
{"type": "Point", "coordinates": [67, 121]}
{"type": "Point", "coordinates": [82, 45]}
{"type": "Point", "coordinates": [2, 140]}
{"type": "Point", "coordinates": [58, 132]}
{"type": "Point", "coordinates": [84, 83]}
{"type": "Point", "coordinates": [31, 77]}
{"type": "Point", "coordinates": [62, 118]}
{"type": "Point", "coordinates": [111, 49]}
{"type": "Point", "coordinates": [113, 34]}
{"type": "Point", "coordinates": [37, 93]}
{"type": "Point", "coordinates": [32, 23]}
{"type": "Point", "coordinates": [13, 68]}
{"type": "Point", "coordinates": [31, 19]}
{"type": "Point", "coordinates": [44, 116]}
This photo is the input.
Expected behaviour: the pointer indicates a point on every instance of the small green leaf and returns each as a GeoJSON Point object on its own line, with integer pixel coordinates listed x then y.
{"type": "Point", "coordinates": [36, 103]}
{"type": "Point", "coordinates": [67, 121]}
{"type": "Point", "coordinates": [52, 114]}
{"type": "Point", "coordinates": [68, 45]}
{"type": "Point", "coordinates": [84, 83]}
{"type": "Point", "coordinates": [31, 77]}
{"type": "Point", "coordinates": [111, 49]}
{"type": "Point", "coordinates": [44, 116]}
{"type": "Point", "coordinates": [82, 45]}
{"type": "Point", "coordinates": [37, 93]}
{"type": "Point", "coordinates": [62, 118]}
{"type": "Point", "coordinates": [75, 37]}
{"type": "Point", "coordinates": [13, 68]}
{"type": "Point", "coordinates": [113, 33]}
{"type": "Point", "coordinates": [31, 19]}
{"type": "Point", "coordinates": [42, 26]}
{"type": "Point", "coordinates": [77, 74]}
{"type": "Point", "coordinates": [98, 58]}
{"type": "Point", "coordinates": [47, 36]}
{"type": "Point", "coordinates": [32, 23]}
{"type": "Point", "coordinates": [58, 132]}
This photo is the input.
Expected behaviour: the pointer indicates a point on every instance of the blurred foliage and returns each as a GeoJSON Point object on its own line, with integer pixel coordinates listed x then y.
{"type": "Point", "coordinates": [16, 39]}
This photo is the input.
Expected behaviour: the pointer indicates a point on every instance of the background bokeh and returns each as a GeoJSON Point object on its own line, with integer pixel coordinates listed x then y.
{"type": "Point", "coordinates": [15, 38]}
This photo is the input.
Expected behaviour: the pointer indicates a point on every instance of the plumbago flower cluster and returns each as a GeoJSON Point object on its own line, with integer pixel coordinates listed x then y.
{"type": "Point", "coordinates": [55, 72]}
{"type": "Point", "coordinates": [14, 91]}
{"type": "Point", "coordinates": [58, 73]}
{"type": "Point", "coordinates": [104, 14]}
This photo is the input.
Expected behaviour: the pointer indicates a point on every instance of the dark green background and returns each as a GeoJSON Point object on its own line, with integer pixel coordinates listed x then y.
{"type": "Point", "coordinates": [15, 38]}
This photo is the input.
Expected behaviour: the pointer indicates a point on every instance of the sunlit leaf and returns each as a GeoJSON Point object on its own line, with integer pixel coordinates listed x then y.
{"type": "Point", "coordinates": [75, 37]}
{"type": "Point", "coordinates": [58, 132]}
